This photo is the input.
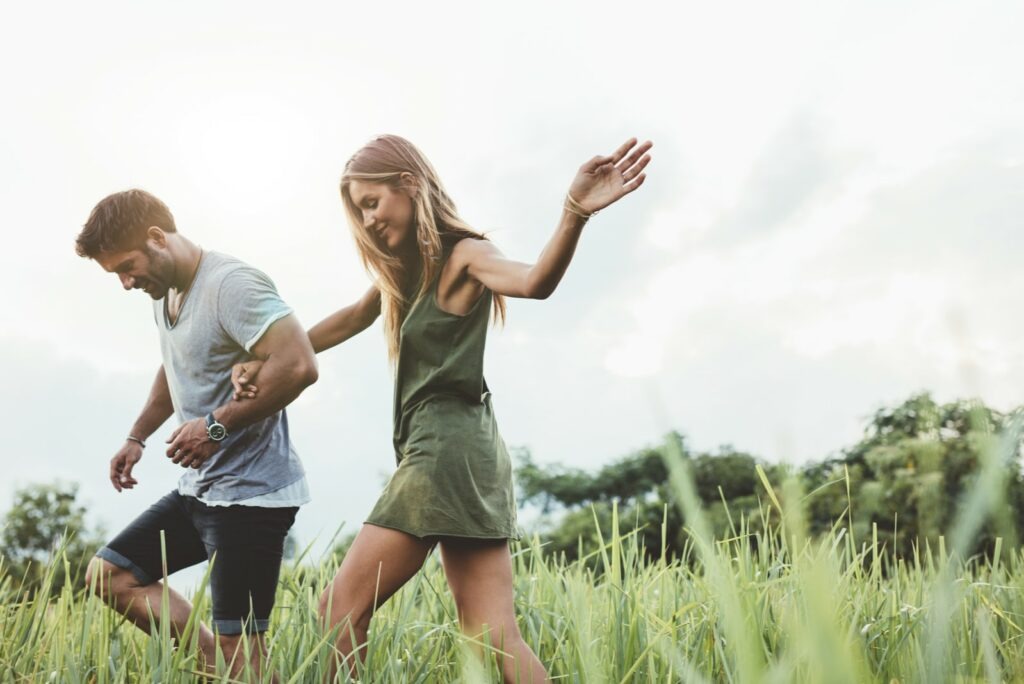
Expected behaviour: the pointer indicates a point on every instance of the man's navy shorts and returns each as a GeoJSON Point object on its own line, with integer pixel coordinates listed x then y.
{"type": "Point", "coordinates": [244, 543]}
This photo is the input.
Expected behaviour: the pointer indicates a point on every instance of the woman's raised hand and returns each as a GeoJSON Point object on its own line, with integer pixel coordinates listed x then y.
{"type": "Point", "coordinates": [604, 180]}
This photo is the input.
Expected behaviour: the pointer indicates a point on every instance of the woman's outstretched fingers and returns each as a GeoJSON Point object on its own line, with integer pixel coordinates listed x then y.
{"type": "Point", "coordinates": [636, 183]}
{"type": "Point", "coordinates": [633, 158]}
{"type": "Point", "coordinates": [634, 170]}
{"type": "Point", "coordinates": [623, 150]}
{"type": "Point", "coordinates": [629, 161]}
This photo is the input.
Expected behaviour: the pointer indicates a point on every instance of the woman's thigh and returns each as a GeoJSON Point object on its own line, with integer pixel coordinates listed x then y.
{"type": "Point", "coordinates": [377, 564]}
{"type": "Point", "coordinates": [479, 573]}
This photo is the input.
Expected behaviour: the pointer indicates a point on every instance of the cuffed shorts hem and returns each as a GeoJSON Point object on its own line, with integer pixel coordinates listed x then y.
{"type": "Point", "coordinates": [111, 556]}
{"type": "Point", "coordinates": [243, 543]}
{"type": "Point", "coordinates": [233, 627]}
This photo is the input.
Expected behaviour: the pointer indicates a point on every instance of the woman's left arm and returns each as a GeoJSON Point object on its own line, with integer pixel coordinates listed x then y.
{"type": "Point", "coordinates": [599, 183]}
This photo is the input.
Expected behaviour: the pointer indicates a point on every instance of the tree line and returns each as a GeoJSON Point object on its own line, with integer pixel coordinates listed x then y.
{"type": "Point", "coordinates": [903, 481]}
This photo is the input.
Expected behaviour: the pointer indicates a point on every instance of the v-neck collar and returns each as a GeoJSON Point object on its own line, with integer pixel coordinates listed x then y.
{"type": "Point", "coordinates": [188, 293]}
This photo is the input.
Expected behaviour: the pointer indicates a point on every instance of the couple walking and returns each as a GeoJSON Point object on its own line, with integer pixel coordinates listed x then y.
{"type": "Point", "coordinates": [234, 356]}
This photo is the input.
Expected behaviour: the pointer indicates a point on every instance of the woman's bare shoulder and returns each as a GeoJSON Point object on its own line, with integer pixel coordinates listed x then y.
{"type": "Point", "coordinates": [469, 249]}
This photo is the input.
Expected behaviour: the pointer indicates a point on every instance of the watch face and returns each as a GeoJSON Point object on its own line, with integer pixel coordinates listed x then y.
{"type": "Point", "coordinates": [216, 432]}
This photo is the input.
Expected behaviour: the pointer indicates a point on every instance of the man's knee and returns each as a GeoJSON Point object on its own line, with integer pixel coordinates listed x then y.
{"type": "Point", "coordinates": [105, 579]}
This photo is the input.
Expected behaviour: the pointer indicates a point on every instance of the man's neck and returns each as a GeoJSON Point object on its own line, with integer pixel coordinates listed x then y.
{"type": "Point", "coordinates": [187, 256]}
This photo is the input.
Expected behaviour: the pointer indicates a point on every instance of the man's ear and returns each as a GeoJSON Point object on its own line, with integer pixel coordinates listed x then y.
{"type": "Point", "coordinates": [410, 183]}
{"type": "Point", "coordinates": [156, 235]}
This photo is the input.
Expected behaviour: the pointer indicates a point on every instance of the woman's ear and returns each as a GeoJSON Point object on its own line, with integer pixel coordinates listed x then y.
{"type": "Point", "coordinates": [410, 183]}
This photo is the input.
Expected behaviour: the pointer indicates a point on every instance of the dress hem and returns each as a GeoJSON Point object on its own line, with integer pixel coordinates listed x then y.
{"type": "Point", "coordinates": [425, 535]}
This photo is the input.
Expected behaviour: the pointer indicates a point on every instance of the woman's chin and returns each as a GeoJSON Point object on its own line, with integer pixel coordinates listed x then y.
{"type": "Point", "coordinates": [397, 246]}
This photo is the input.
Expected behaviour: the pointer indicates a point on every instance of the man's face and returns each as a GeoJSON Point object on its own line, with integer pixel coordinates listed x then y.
{"type": "Point", "coordinates": [148, 269]}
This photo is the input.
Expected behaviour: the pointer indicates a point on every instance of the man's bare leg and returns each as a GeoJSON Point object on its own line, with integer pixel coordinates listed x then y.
{"type": "Point", "coordinates": [141, 603]}
{"type": "Point", "coordinates": [238, 654]}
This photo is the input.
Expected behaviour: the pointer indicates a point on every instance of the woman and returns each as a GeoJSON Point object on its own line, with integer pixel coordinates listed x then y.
{"type": "Point", "coordinates": [437, 281]}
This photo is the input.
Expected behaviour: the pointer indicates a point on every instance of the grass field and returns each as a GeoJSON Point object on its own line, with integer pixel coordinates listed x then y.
{"type": "Point", "coordinates": [773, 606]}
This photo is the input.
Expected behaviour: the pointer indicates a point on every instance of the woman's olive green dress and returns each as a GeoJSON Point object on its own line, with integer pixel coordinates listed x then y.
{"type": "Point", "coordinates": [454, 476]}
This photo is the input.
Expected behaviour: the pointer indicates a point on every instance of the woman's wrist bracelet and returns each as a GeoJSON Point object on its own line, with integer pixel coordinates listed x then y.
{"type": "Point", "coordinates": [571, 210]}
{"type": "Point", "coordinates": [133, 438]}
{"type": "Point", "coordinates": [574, 207]}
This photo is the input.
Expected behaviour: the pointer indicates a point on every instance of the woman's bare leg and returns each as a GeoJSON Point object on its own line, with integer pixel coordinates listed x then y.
{"type": "Point", "coordinates": [377, 564]}
{"type": "Point", "coordinates": [479, 573]}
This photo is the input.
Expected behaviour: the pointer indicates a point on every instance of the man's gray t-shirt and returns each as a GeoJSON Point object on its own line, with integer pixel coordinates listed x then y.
{"type": "Point", "coordinates": [226, 311]}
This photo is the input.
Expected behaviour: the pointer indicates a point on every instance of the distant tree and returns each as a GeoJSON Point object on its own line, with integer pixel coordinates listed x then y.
{"type": "Point", "coordinates": [906, 477]}
{"type": "Point", "coordinates": [46, 518]}
{"type": "Point", "coordinates": [909, 473]}
{"type": "Point", "coordinates": [640, 486]}
{"type": "Point", "coordinates": [632, 477]}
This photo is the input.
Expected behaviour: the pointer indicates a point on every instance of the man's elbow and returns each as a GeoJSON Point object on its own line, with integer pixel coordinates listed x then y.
{"type": "Point", "coordinates": [306, 372]}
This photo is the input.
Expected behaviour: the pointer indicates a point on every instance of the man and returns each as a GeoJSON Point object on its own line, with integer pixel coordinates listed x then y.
{"type": "Point", "coordinates": [243, 481]}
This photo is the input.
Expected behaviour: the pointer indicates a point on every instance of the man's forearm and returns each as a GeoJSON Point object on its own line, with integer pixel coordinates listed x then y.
{"type": "Point", "coordinates": [281, 382]}
{"type": "Point", "coordinates": [157, 410]}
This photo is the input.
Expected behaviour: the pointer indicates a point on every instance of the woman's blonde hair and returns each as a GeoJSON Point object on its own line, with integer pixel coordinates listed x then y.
{"type": "Point", "coordinates": [436, 222]}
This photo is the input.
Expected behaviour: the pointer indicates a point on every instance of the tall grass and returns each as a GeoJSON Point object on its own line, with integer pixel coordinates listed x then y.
{"type": "Point", "coordinates": [771, 606]}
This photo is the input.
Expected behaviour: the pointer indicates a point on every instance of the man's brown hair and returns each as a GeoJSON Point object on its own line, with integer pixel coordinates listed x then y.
{"type": "Point", "coordinates": [120, 221]}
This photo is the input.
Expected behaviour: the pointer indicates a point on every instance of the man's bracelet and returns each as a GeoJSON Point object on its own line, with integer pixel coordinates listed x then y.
{"type": "Point", "coordinates": [133, 438]}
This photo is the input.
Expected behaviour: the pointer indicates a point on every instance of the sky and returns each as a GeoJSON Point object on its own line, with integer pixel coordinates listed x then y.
{"type": "Point", "coordinates": [831, 222]}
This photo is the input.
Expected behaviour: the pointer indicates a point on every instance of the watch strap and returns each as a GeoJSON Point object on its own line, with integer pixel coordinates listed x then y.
{"type": "Point", "coordinates": [214, 427]}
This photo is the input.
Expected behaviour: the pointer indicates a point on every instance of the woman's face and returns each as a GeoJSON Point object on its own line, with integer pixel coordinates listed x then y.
{"type": "Point", "coordinates": [387, 212]}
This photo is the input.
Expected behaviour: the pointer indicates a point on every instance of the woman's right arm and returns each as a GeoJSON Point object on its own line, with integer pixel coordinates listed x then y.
{"type": "Point", "coordinates": [330, 332]}
{"type": "Point", "coordinates": [346, 323]}
{"type": "Point", "coordinates": [600, 182]}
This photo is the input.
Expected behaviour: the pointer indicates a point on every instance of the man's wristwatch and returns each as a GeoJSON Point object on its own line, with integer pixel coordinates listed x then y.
{"type": "Point", "coordinates": [214, 430]}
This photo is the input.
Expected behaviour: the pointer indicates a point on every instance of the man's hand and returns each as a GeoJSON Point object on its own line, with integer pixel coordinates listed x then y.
{"type": "Point", "coordinates": [122, 463]}
{"type": "Point", "coordinates": [190, 447]}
